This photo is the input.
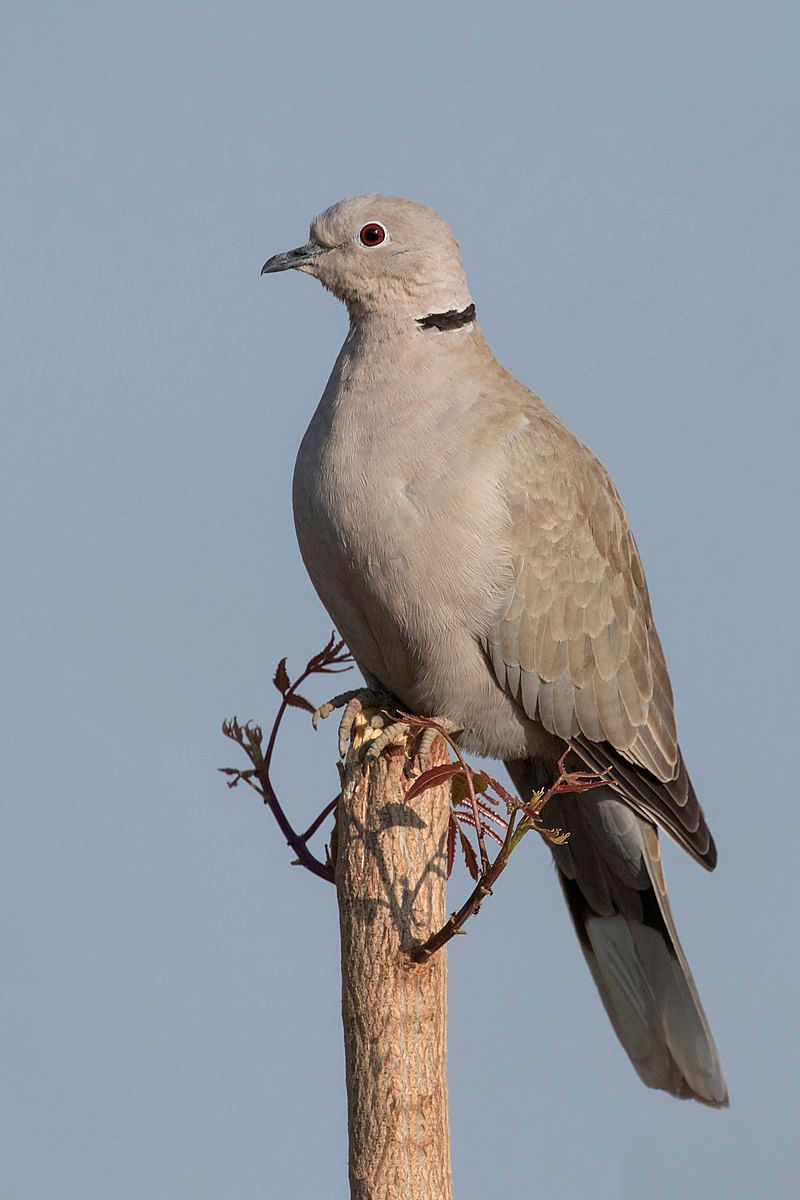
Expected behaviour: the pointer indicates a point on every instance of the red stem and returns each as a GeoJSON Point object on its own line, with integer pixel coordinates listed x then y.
{"type": "Point", "coordinates": [315, 824]}
{"type": "Point", "coordinates": [483, 887]}
{"type": "Point", "coordinates": [296, 841]}
{"type": "Point", "coordinates": [304, 856]}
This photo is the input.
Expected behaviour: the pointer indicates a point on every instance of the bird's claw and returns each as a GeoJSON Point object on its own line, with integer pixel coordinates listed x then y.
{"type": "Point", "coordinates": [429, 736]}
{"type": "Point", "coordinates": [394, 730]}
{"type": "Point", "coordinates": [354, 704]}
{"type": "Point", "coordinates": [398, 732]}
{"type": "Point", "coordinates": [394, 734]}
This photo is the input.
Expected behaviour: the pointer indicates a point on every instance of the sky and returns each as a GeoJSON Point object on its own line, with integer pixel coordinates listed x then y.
{"type": "Point", "coordinates": [623, 181]}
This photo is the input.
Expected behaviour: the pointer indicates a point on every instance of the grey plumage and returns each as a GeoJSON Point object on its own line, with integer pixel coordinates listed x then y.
{"type": "Point", "coordinates": [478, 561]}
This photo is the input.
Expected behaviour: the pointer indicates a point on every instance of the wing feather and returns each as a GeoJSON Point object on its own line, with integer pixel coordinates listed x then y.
{"type": "Point", "coordinates": [574, 640]}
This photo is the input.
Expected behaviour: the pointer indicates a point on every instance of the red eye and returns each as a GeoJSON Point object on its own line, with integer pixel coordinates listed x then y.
{"type": "Point", "coordinates": [372, 234]}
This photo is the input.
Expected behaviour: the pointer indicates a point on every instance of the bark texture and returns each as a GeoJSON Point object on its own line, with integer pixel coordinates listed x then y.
{"type": "Point", "coordinates": [390, 879]}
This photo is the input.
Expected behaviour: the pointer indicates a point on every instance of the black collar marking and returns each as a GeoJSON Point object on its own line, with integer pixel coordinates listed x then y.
{"type": "Point", "coordinates": [447, 320]}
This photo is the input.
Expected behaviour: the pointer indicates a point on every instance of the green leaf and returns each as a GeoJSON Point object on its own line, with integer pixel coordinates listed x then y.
{"type": "Point", "coordinates": [459, 789]}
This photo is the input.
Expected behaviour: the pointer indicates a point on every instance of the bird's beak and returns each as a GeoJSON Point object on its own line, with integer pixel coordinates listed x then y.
{"type": "Point", "coordinates": [303, 256]}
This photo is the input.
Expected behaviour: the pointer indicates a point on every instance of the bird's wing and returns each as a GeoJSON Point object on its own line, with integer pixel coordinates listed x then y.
{"type": "Point", "coordinates": [574, 641]}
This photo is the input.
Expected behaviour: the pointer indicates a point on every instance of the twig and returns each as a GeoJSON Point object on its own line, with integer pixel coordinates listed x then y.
{"type": "Point", "coordinates": [427, 723]}
{"type": "Point", "coordinates": [315, 824]}
{"type": "Point", "coordinates": [530, 818]}
{"type": "Point", "coordinates": [331, 660]}
{"type": "Point", "coordinates": [482, 889]}
{"type": "Point", "coordinates": [469, 809]}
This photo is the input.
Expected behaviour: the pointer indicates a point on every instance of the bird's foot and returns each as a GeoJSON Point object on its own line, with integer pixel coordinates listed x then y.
{"type": "Point", "coordinates": [371, 722]}
{"type": "Point", "coordinates": [429, 736]}
{"type": "Point", "coordinates": [400, 731]}
{"type": "Point", "coordinates": [366, 713]}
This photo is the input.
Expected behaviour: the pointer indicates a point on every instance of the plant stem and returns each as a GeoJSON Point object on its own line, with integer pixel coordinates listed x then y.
{"type": "Point", "coordinates": [482, 889]}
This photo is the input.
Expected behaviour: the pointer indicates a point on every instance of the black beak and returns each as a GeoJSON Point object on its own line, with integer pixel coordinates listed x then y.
{"type": "Point", "coordinates": [301, 257]}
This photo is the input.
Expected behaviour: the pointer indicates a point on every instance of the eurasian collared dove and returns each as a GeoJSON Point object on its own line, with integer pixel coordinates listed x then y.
{"type": "Point", "coordinates": [477, 560]}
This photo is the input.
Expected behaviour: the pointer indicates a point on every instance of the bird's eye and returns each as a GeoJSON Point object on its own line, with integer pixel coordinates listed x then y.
{"type": "Point", "coordinates": [372, 234]}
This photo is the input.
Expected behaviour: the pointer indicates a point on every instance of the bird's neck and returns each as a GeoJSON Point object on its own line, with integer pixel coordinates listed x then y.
{"type": "Point", "coordinates": [381, 326]}
{"type": "Point", "coordinates": [389, 304]}
{"type": "Point", "coordinates": [390, 372]}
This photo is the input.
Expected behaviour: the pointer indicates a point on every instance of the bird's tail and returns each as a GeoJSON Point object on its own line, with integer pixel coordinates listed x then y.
{"type": "Point", "coordinates": [611, 875]}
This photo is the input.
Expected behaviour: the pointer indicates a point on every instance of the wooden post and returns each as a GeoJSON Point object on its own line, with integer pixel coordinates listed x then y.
{"type": "Point", "coordinates": [390, 879]}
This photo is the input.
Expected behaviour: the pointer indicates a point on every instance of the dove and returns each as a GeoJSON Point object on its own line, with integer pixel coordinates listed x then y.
{"type": "Point", "coordinates": [478, 561]}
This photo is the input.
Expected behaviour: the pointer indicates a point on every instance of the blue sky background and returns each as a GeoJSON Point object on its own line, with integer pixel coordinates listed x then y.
{"type": "Point", "coordinates": [623, 180]}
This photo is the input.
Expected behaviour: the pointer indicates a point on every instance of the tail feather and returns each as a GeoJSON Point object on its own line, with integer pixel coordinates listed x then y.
{"type": "Point", "coordinates": [610, 872]}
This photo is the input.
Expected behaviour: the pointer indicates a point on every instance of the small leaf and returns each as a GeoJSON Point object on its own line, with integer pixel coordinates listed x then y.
{"type": "Point", "coordinates": [578, 781]}
{"type": "Point", "coordinates": [459, 790]}
{"type": "Point", "coordinates": [486, 830]}
{"type": "Point", "coordinates": [511, 802]}
{"type": "Point", "coordinates": [490, 814]}
{"type": "Point", "coordinates": [295, 701]}
{"type": "Point", "coordinates": [232, 729]}
{"type": "Point", "coordinates": [332, 656]}
{"type": "Point", "coordinates": [254, 733]}
{"type": "Point", "coordinates": [451, 846]}
{"type": "Point", "coordinates": [432, 778]}
{"type": "Point", "coordinates": [281, 678]}
{"type": "Point", "coordinates": [469, 855]}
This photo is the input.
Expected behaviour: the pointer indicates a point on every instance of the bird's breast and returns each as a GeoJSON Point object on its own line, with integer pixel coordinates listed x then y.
{"type": "Point", "coordinates": [407, 556]}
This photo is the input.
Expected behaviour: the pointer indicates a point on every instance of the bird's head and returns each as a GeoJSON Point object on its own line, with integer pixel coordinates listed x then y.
{"type": "Point", "coordinates": [382, 255]}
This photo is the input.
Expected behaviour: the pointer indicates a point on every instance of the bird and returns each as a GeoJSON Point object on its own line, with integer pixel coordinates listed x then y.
{"type": "Point", "coordinates": [477, 560]}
